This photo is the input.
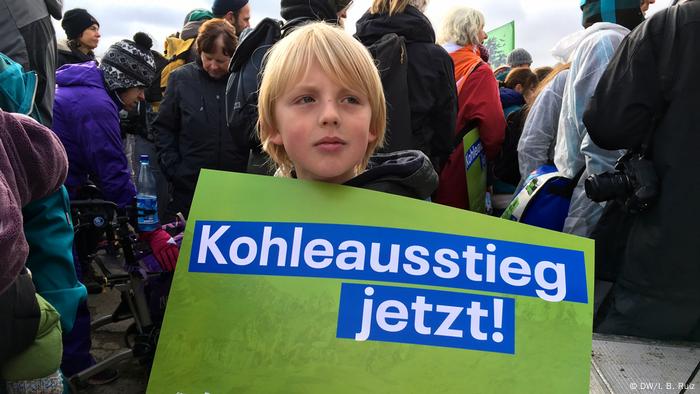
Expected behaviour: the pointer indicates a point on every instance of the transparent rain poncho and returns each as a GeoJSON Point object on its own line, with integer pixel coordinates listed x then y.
{"type": "Point", "coordinates": [536, 145]}
{"type": "Point", "coordinates": [590, 52]}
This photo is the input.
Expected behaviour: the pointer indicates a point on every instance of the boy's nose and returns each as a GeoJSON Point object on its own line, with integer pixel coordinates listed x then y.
{"type": "Point", "coordinates": [330, 115]}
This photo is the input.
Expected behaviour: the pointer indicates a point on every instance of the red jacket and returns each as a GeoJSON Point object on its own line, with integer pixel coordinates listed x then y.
{"type": "Point", "coordinates": [479, 105]}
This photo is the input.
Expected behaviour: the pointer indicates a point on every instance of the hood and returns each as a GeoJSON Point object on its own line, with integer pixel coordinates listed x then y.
{"type": "Point", "coordinates": [412, 24]}
{"type": "Point", "coordinates": [81, 74]}
{"type": "Point", "coordinates": [318, 10]}
{"type": "Point", "coordinates": [510, 97]}
{"type": "Point", "coordinates": [566, 46]}
{"type": "Point", "coordinates": [33, 164]}
{"type": "Point", "coordinates": [17, 88]}
{"type": "Point", "coordinates": [62, 45]}
{"type": "Point", "coordinates": [406, 173]}
{"type": "Point", "coordinates": [191, 29]}
{"type": "Point", "coordinates": [73, 55]}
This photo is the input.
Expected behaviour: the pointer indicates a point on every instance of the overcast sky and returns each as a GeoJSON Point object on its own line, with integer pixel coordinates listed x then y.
{"type": "Point", "coordinates": [539, 24]}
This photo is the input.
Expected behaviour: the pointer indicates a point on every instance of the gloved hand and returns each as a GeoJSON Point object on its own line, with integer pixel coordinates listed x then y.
{"type": "Point", "coordinates": [164, 248]}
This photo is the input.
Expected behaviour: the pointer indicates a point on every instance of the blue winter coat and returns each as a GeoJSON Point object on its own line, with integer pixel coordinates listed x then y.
{"type": "Point", "coordinates": [86, 119]}
{"type": "Point", "coordinates": [511, 100]}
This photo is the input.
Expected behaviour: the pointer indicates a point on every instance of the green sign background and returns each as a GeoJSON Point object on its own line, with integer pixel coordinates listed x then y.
{"type": "Point", "coordinates": [500, 43]}
{"type": "Point", "coordinates": [263, 334]}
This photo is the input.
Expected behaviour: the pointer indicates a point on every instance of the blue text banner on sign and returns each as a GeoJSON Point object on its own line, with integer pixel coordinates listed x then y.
{"type": "Point", "coordinates": [388, 254]}
{"type": "Point", "coordinates": [426, 317]}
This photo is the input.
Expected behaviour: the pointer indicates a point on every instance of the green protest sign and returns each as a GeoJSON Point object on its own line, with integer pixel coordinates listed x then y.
{"type": "Point", "coordinates": [500, 43]}
{"type": "Point", "coordinates": [475, 163]}
{"type": "Point", "coordinates": [300, 287]}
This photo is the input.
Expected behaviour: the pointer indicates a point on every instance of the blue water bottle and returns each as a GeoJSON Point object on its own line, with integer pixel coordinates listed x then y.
{"type": "Point", "coordinates": [146, 200]}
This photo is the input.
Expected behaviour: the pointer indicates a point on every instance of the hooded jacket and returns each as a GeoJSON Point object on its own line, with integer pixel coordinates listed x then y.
{"type": "Point", "coordinates": [68, 55]}
{"type": "Point", "coordinates": [511, 101]}
{"type": "Point", "coordinates": [536, 144]}
{"type": "Point", "coordinates": [651, 86]}
{"type": "Point", "coordinates": [432, 91]}
{"type": "Point", "coordinates": [404, 173]}
{"type": "Point", "coordinates": [191, 132]}
{"type": "Point", "coordinates": [32, 165]}
{"type": "Point", "coordinates": [86, 119]}
{"type": "Point", "coordinates": [589, 52]}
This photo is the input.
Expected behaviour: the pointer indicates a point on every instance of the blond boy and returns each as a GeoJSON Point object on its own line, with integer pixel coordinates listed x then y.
{"type": "Point", "coordinates": [322, 114]}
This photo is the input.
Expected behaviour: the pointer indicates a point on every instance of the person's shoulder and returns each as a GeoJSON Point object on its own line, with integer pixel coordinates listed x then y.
{"type": "Point", "coordinates": [434, 51]}
{"type": "Point", "coordinates": [97, 106]}
{"type": "Point", "coordinates": [484, 69]}
{"type": "Point", "coordinates": [482, 73]}
{"type": "Point", "coordinates": [185, 71]}
{"type": "Point", "coordinates": [406, 173]}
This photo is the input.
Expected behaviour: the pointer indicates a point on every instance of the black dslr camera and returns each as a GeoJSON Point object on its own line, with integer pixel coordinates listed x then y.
{"type": "Point", "coordinates": [635, 184]}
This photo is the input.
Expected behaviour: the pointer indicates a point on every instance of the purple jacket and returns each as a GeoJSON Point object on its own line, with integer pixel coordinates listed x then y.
{"type": "Point", "coordinates": [32, 166]}
{"type": "Point", "coordinates": [86, 119]}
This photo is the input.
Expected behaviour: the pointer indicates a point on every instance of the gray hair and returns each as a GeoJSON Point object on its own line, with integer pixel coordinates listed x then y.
{"type": "Point", "coordinates": [462, 26]}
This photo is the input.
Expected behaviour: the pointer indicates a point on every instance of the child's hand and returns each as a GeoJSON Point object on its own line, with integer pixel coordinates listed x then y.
{"type": "Point", "coordinates": [164, 248]}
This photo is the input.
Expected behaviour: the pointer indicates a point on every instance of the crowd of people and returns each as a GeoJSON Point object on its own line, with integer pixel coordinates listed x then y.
{"type": "Point", "coordinates": [614, 116]}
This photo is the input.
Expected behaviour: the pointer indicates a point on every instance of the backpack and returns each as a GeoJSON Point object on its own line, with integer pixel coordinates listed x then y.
{"type": "Point", "coordinates": [389, 53]}
{"type": "Point", "coordinates": [505, 166]}
{"type": "Point", "coordinates": [244, 81]}
{"type": "Point", "coordinates": [178, 53]}
{"type": "Point", "coordinates": [17, 88]}
{"type": "Point", "coordinates": [544, 199]}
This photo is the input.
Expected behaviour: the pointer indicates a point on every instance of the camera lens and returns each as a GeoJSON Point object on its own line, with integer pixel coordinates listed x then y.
{"type": "Point", "coordinates": [607, 186]}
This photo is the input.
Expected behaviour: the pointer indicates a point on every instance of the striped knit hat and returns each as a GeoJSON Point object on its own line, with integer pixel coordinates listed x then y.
{"type": "Point", "coordinates": [626, 13]}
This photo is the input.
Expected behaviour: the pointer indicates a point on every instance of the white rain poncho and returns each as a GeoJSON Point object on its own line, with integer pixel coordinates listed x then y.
{"type": "Point", "coordinates": [589, 52]}
{"type": "Point", "coordinates": [536, 145]}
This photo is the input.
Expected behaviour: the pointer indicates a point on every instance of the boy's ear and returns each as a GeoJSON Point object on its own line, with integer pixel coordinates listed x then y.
{"type": "Point", "coordinates": [519, 88]}
{"type": "Point", "coordinates": [276, 137]}
{"type": "Point", "coordinates": [372, 136]}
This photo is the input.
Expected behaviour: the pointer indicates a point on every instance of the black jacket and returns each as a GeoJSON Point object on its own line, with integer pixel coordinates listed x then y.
{"type": "Point", "coordinates": [191, 132]}
{"type": "Point", "coordinates": [67, 55]}
{"type": "Point", "coordinates": [651, 86]}
{"type": "Point", "coordinates": [431, 83]}
{"type": "Point", "coordinates": [404, 173]}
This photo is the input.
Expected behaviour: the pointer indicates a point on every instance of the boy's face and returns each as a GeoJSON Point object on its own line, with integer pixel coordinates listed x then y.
{"type": "Point", "coordinates": [323, 127]}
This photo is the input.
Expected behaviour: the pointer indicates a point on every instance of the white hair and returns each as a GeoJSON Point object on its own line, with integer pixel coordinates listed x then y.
{"type": "Point", "coordinates": [462, 26]}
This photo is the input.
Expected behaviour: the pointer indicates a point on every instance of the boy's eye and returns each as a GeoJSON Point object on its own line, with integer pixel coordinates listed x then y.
{"type": "Point", "coordinates": [305, 100]}
{"type": "Point", "coordinates": [352, 100]}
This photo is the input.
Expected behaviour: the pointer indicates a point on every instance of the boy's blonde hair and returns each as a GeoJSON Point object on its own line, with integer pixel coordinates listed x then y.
{"type": "Point", "coordinates": [341, 57]}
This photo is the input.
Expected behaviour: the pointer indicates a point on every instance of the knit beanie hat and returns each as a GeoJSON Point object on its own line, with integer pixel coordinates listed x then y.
{"type": "Point", "coordinates": [126, 65]}
{"type": "Point", "coordinates": [519, 56]}
{"type": "Point", "coordinates": [625, 13]}
{"type": "Point", "coordinates": [75, 22]}
{"type": "Point", "coordinates": [197, 15]}
{"type": "Point", "coordinates": [222, 7]}
{"type": "Point", "coordinates": [317, 10]}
